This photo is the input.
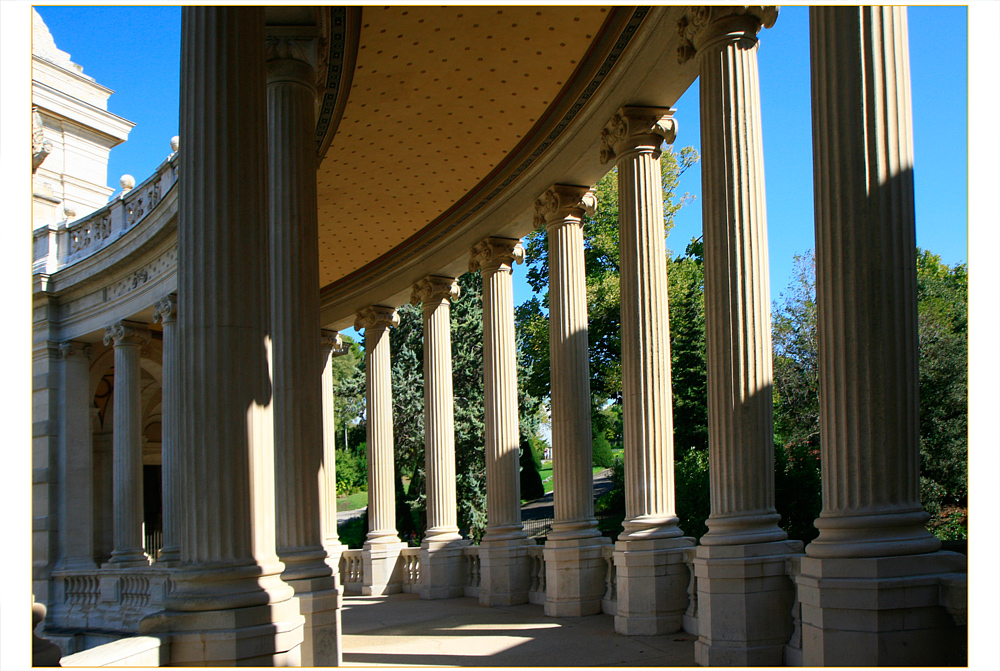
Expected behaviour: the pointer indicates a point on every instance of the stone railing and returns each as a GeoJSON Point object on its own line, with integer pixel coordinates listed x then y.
{"type": "Point", "coordinates": [148, 651]}
{"type": "Point", "coordinates": [108, 599]}
{"type": "Point", "coordinates": [793, 649]}
{"type": "Point", "coordinates": [691, 614]}
{"type": "Point", "coordinates": [410, 559]}
{"type": "Point", "coordinates": [536, 574]}
{"type": "Point", "coordinates": [352, 571]}
{"type": "Point", "coordinates": [67, 242]}
{"type": "Point", "coordinates": [609, 604]}
{"type": "Point", "coordinates": [473, 570]}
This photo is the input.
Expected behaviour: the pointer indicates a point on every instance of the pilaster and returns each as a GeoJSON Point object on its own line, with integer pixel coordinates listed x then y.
{"type": "Point", "coordinates": [872, 536]}
{"type": "Point", "coordinates": [229, 605]}
{"type": "Point", "coordinates": [165, 312]}
{"type": "Point", "coordinates": [128, 339]}
{"type": "Point", "coordinates": [503, 550]}
{"type": "Point", "coordinates": [574, 562]}
{"type": "Point", "coordinates": [441, 561]}
{"type": "Point", "coordinates": [652, 577]}
{"type": "Point", "coordinates": [382, 547]}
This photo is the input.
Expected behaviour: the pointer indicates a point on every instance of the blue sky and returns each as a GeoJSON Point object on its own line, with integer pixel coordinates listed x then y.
{"type": "Point", "coordinates": [138, 56]}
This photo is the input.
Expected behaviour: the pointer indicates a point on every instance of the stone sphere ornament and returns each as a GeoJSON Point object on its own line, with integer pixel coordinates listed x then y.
{"type": "Point", "coordinates": [127, 182]}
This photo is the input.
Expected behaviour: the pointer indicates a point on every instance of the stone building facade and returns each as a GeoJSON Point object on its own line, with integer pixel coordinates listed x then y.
{"type": "Point", "coordinates": [183, 464]}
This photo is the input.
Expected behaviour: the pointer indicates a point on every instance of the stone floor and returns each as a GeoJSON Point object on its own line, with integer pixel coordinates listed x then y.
{"type": "Point", "coordinates": [402, 630]}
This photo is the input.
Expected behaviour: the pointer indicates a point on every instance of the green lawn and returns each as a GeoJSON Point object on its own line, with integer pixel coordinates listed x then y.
{"type": "Point", "coordinates": [353, 502]}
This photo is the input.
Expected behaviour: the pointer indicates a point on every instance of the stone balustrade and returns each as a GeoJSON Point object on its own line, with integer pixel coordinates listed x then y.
{"type": "Point", "coordinates": [55, 247]}
{"type": "Point", "coordinates": [352, 571]}
{"type": "Point", "coordinates": [111, 599]}
{"type": "Point", "coordinates": [410, 558]}
{"type": "Point", "coordinates": [473, 570]}
{"type": "Point", "coordinates": [536, 573]}
{"type": "Point", "coordinates": [609, 604]}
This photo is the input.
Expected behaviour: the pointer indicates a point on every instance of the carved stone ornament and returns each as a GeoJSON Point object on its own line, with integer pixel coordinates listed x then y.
{"type": "Point", "coordinates": [291, 48]}
{"type": "Point", "coordinates": [70, 348]}
{"type": "Point", "coordinates": [40, 147]}
{"type": "Point", "coordinates": [496, 253]}
{"type": "Point", "coordinates": [633, 127]}
{"type": "Point", "coordinates": [702, 26]}
{"type": "Point", "coordinates": [331, 344]}
{"type": "Point", "coordinates": [562, 201]}
{"type": "Point", "coordinates": [165, 309]}
{"type": "Point", "coordinates": [126, 333]}
{"type": "Point", "coordinates": [376, 316]}
{"type": "Point", "coordinates": [434, 288]}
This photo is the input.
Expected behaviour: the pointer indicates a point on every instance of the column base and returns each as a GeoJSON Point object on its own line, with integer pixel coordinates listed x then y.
{"type": "Point", "coordinates": [745, 599]}
{"type": "Point", "coordinates": [574, 576]}
{"type": "Point", "coordinates": [127, 559]}
{"type": "Point", "coordinates": [652, 585]}
{"type": "Point", "coordinates": [320, 603]}
{"type": "Point", "coordinates": [879, 611]}
{"type": "Point", "coordinates": [505, 572]}
{"type": "Point", "coordinates": [383, 572]}
{"type": "Point", "coordinates": [442, 569]}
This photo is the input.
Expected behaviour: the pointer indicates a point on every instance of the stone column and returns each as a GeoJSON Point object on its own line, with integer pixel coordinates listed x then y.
{"type": "Point", "coordinates": [872, 538]}
{"type": "Point", "coordinates": [300, 484]}
{"type": "Point", "coordinates": [330, 345]}
{"type": "Point", "coordinates": [574, 564]}
{"type": "Point", "coordinates": [737, 623]}
{"type": "Point", "coordinates": [128, 339]}
{"type": "Point", "coordinates": [652, 577]}
{"type": "Point", "coordinates": [503, 551]}
{"type": "Point", "coordinates": [76, 462]}
{"type": "Point", "coordinates": [229, 605]}
{"type": "Point", "coordinates": [382, 570]}
{"type": "Point", "coordinates": [441, 562]}
{"type": "Point", "coordinates": [165, 312]}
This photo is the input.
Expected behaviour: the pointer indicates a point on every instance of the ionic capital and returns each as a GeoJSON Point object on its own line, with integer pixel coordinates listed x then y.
{"type": "Point", "coordinates": [376, 316]}
{"type": "Point", "coordinates": [633, 127]}
{"type": "Point", "coordinates": [330, 343]}
{"type": "Point", "coordinates": [564, 202]}
{"type": "Point", "coordinates": [165, 310]}
{"type": "Point", "coordinates": [496, 254]}
{"type": "Point", "coordinates": [701, 27]}
{"type": "Point", "coordinates": [291, 58]}
{"type": "Point", "coordinates": [70, 349]}
{"type": "Point", "coordinates": [126, 333]}
{"type": "Point", "coordinates": [434, 288]}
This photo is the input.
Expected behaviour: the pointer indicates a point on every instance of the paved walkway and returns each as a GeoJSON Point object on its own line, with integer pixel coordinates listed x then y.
{"type": "Point", "coordinates": [402, 630]}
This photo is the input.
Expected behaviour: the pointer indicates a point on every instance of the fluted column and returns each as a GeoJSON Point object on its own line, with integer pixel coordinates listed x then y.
{"type": "Point", "coordinates": [76, 459]}
{"type": "Point", "coordinates": [376, 322]}
{"type": "Point", "coordinates": [866, 285]}
{"type": "Point", "coordinates": [294, 257]}
{"type": "Point", "coordinates": [652, 578]}
{"type": "Point", "coordinates": [331, 345]}
{"type": "Point", "coordinates": [560, 211]}
{"type": "Point", "coordinates": [632, 138]}
{"type": "Point", "coordinates": [737, 292]}
{"type": "Point", "coordinates": [872, 537]}
{"type": "Point", "coordinates": [165, 312]}
{"type": "Point", "coordinates": [495, 258]}
{"type": "Point", "coordinates": [128, 339]}
{"type": "Point", "coordinates": [436, 294]}
{"type": "Point", "coordinates": [228, 555]}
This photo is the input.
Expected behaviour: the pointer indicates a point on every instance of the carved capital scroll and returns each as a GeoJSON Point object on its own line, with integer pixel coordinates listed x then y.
{"type": "Point", "coordinates": [701, 27]}
{"type": "Point", "coordinates": [434, 288]}
{"type": "Point", "coordinates": [633, 127]}
{"type": "Point", "coordinates": [564, 201]}
{"type": "Point", "coordinates": [496, 253]}
{"type": "Point", "coordinates": [376, 316]}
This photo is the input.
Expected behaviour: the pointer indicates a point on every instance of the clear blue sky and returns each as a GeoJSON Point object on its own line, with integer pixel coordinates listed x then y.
{"type": "Point", "coordinates": [136, 52]}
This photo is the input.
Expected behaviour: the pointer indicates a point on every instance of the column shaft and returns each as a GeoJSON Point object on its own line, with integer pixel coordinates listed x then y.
{"type": "Point", "coordinates": [866, 285]}
{"type": "Point", "coordinates": [127, 444]}
{"type": "Point", "coordinates": [294, 295]}
{"type": "Point", "coordinates": [166, 313]}
{"type": "Point", "coordinates": [495, 258]}
{"type": "Point", "coordinates": [76, 514]}
{"type": "Point", "coordinates": [737, 294]}
{"type": "Point", "coordinates": [330, 342]}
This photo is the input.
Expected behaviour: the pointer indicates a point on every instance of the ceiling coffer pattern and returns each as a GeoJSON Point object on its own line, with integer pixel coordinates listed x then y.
{"type": "Point", "coordinates": [439, 97]}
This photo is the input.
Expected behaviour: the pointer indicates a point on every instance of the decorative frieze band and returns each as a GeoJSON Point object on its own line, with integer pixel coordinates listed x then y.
{"type": "Point", "coordinates": [633, 127]}
{"type": "Point", "coordinates": [126, 333]}
{"type": "Point", "coordinates": [496, 254]}
{"type": "Point", "coordinates": [701, 26]}
{"type": "Point", "coordinates": [434, 288]}
{"type": "Point", "coordinates": [376, 316]}
{"type": "Point", "coordinates": [564, 201]}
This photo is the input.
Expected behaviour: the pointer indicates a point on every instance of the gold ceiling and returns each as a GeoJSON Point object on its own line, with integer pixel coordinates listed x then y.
{"type": "Point", "coordinates": [439, 97]}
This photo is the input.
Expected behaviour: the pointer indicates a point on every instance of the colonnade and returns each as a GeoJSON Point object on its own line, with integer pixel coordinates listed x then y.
{"type": "Point", "coordinates": [250, 518]}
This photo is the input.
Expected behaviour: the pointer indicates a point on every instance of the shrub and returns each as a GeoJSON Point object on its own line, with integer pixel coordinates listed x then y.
{"type": "Point", "coordinates": [602, 450]}
{"type": "Point", "coordinates": [693, 497]}
{"type": "Point", "coordinates": [531, 481]}
{"type": "Point", "coordinates": [352, 472]}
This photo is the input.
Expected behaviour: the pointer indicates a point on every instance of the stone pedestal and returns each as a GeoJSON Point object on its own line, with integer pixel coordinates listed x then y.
{"type": "Point", "coordinates": [879, 611]}
{"type": "Point", "coordinates": [503, 551]}
{"type": "Point", "coordinates": [442, 569]}
{"type": "Point", "coordinates": [652, 585]}
{"type": "Point", "coordinates": [383, 569]}
{"type": "Point", "coordinates": [574, 576]}
{"type": "Point", "coordinates": [744, 603]}
{"type": "Point", "coordinates": [652, 577]}
{"type": "Point", "coordinates": [229, 606]}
